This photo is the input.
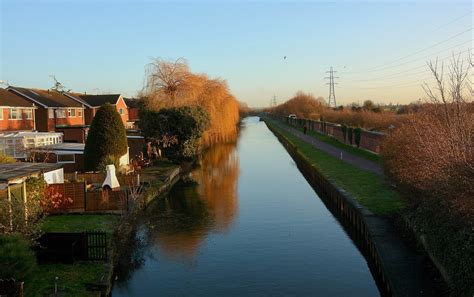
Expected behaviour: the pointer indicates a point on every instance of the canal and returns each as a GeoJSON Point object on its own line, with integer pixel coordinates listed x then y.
{"type": "Point", "coordinates": [248, 225]}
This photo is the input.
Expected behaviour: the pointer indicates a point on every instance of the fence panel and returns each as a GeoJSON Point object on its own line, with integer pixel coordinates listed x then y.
{"type": "Point", "coordinates": [106, 200]}
{"type": "Point", "coordinates": [72, 196]}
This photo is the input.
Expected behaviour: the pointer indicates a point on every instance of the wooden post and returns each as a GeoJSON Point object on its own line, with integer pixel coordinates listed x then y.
{"type": "Point", "coordinates": [85, 196]}
{"type": "Point", "coordinates": [25, 201]}
{"type": "Point", "coordinates": [10, 211]}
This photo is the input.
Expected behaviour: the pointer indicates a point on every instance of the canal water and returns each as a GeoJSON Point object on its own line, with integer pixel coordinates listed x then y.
{"type": "Point", "coordinates": [248, 225]}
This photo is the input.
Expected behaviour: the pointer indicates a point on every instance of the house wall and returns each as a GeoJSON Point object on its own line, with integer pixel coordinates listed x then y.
{"type": "Point", "coordinates": [11, 125]}
{"type": "Point", "coordinates": [133, 114]}
{"type": "Point", "coordinates": [45, 124]}
{"type": "Point", "coordinates": [74, 134]}
{"type": "Point", "coordinates": [89, 115]}
{"type": "Point", "coordinates": [121, 105]}
{"type": "Point", "coordinates": [70, 121]}
{"type": "Point", "coordinates": [42, 122]}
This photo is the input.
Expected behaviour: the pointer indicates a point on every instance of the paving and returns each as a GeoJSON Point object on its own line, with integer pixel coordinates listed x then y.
{"type": "Point", "coordinates": [360, 162]}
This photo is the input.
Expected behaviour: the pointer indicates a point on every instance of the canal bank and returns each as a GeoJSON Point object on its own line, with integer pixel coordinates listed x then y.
{"type": "Point", "coordinates": [397, 267]}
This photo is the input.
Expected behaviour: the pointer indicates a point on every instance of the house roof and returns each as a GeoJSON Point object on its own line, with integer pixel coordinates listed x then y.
{"type": "Point", "coordinates": [132, 102]}
{"type": "Point", "coordinates": [10, 99]}
{"type": "Point", "coordinates": [62, 148]}
{"type": "Point", "coordinates": [45, 98]}
{"type": "Point", "coordinates": [99, 100]}
{"type": "Point", "coordinates": [12, 171]}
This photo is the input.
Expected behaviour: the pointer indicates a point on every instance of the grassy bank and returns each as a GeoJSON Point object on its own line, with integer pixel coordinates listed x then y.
{"type": "Point", "coordinates": [369, 189]}
{"type": "Point", "coordinates": [72, 277]}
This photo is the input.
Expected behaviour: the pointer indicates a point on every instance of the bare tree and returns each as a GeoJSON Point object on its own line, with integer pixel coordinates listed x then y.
{"type": "Point", "coordinates": [166, 77]}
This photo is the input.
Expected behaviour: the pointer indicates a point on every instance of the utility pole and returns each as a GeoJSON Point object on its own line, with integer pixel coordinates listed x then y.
{"type": "Point", "coordinates": [332, 92]}
{"type": "Point", "coordinates": [274, 100]}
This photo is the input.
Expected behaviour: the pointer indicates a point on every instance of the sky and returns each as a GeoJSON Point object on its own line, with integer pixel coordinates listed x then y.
{"type": "Point", "coordinates": [378, 48]}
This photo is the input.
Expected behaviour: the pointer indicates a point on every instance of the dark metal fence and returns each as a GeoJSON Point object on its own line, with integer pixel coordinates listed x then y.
{"type": "Point", "coordinates": [69, 247]}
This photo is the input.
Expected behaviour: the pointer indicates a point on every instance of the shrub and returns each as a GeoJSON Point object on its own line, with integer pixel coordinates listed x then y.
{"type": "Point", "coordinates": [344, 132]}
{"type": "Point", "coordinates": [302, 105]}
{"type": "Point", "coordinates": [17, 259]}
{"type": "Point", "coordinates": [357, 134]}
{"type": "Point", "coordinates": [177, 131]}
{"type": "Point", "coordinates": [107, 137]}
{"type": "Point", "coordinates": [6, 159]}
{"type": "Point", "coordinates": [349, 134]}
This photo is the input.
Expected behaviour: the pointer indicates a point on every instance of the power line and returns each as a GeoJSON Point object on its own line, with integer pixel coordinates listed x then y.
{"type": "Point", "coordinates": [405, 72]}
{"type": "Point", "coordinates": [424, 49]}
{"type": "Point", "coordinates": [332, 92]}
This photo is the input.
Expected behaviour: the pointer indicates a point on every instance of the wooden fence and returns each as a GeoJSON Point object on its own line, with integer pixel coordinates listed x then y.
{"type": "Point", "coordinates": [75, 198]}
{"type": "Point", "coordinates": [96, 245]}
{"type": "Point", "coordinates": [98, 178]}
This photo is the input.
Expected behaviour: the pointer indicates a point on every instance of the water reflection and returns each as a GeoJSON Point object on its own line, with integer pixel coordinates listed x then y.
{"type": "Point", "coordinates": [178, 223]}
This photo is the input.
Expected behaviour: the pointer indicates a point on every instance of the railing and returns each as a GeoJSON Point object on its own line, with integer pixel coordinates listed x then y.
{"type": "Point", "coordinates": [96, 245]}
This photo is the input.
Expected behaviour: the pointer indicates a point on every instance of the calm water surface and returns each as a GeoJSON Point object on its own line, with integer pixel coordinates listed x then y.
{"type": "Point", "coordinates": [250, 225]}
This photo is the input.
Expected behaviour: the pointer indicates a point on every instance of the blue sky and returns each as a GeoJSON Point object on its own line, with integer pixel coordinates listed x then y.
{"type": "Point", "coordinates": [378, 47]}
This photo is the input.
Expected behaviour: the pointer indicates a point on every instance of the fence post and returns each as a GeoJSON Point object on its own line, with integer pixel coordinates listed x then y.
{"type": "Point", "coordinates": [85, 196]}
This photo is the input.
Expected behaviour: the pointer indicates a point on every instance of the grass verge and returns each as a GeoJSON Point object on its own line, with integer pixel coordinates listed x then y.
{"type": "Point", "coordinates": [368, 188]}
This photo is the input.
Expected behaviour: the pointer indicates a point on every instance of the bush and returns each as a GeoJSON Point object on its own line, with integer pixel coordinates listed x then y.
{"type": "Point", "coordinates": [6, 159]}
{"type": "Point", "coordinates": [302, 105]}
{"type": "Point", "coordinates": [344, 132]}
{"type": "Point", "coordinates": [107, 138]}
{"type": "Point", "coordinates": [17, 259]}
{"type": "Point", "coordinates": [349, 134]}
{"type": "Point", "coordinates": [357, 134]}
{"type": "Point", "coordinates": [177, 131]}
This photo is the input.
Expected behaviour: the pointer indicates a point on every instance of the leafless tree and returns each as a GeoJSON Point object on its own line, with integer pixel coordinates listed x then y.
{"type": "Point", "coordinates": [165, 77]}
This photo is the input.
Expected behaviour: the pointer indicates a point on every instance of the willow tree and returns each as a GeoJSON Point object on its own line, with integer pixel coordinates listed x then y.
{"type": "Point", "coordinates": [107, 139]}
{"type": "Point", "coordinates": [172, 84]}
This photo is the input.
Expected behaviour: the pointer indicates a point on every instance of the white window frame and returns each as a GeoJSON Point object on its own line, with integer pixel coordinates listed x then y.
{"type": "Point", "coordinates": [79, 112]}
{"type": "Point", "coordinates": [66, 162]}
{"type": "Point", "coordinates": [17, 114]}
{"type": "Point", "coordinates": [50, 113]}
{"type": "Point", "coordinates": [71, 112]}
{"type": "Point", "coordinates": [1, 114]}
{"type": "Point", "coordinates": [121, 111]}
{"type": "Point", "coordinates": [28, 114]}
{"type": "Point", "coordinates": [60, 113]}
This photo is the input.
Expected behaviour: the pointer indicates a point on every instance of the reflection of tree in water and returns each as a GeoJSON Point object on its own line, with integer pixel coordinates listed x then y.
{"type": "Point", "coordinates": [181, 221]}
{"type": "Point", "coordinates": [217, 178]}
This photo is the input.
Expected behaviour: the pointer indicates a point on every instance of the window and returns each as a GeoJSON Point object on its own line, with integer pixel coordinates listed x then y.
{"type": "Point", "coordinates": [66, 158]}
{"type": "Point", "coordinates": [79, 112]}
{"type": "Point", "coordinates": [28, 114]}
{"type": "Point", "coordinates": [51, 113]}
{"type": "Point", "coordinates": [60, 113]}
{"type": "Point", "coordinates": [121, 111]}
{"type": "Point", "coordinates": [1, 113]}
{"type": "Point", "coordinates": [14, 114]}
{"type": "Point", "coordinates": [71, 112]}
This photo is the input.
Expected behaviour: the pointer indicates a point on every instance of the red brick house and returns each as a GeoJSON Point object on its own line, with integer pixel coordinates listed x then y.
{"type": "Point", "coordinates": [94, 102]}
{"type": "Point", "coordinates": [16, 113]}
{"type": "Point", "coordinates": [133, 112]}
{"type": "Point", "coordinates": [54, 109]}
